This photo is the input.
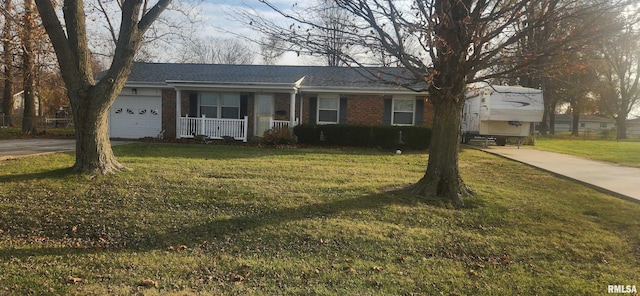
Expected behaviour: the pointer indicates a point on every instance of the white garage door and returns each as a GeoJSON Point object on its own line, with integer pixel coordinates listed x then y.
{"type": "Point", "coordinates": [134, 117]}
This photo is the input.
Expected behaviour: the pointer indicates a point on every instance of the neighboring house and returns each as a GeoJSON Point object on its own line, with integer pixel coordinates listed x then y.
{"type": "Point", "coordinates": [586, 123]}
{"type": "Point", "coordinates": [242, 101]}
{"type": "Point", "coordinates": [633, 127]}
{"type": "Point", "coordinates": [18, 106]}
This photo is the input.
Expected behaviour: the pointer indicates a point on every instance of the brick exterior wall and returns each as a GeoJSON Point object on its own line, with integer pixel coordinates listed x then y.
{"type": "Point", "coordinates": [428, 112]}
{"type": "Point", "coordinates": [364, 109]}
{"type": "Point", "coordinates": [361, 109]}
{"type": "Point", "coordinates": [282, 106]}
{"type": "Point", "coordinates": [169, 113]}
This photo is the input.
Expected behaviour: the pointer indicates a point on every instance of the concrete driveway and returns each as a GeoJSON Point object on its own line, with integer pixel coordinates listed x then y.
{"type": "Point", "coordinates": [611, 178]}
{"type": "Point", "coordinates": [10, 149]}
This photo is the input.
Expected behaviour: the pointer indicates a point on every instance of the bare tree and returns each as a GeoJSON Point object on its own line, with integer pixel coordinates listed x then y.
{"type": "Point", "coordinates": [333, 21]}
{"type": "Point", "coordinates": [271, 49]}
{"type": "Point", "coordinates": [621, 76]}
{"type": "Point", "coordinates": [448, 44]}
{"type": "Point", "coordinates": [7, 62]}
{"type": "Point", "coordinates": [91, 100]}
{"type": "Point", "coordinates": [30, 116]}
{"type": "Point", "coordinates": [176, 26]}
{"type": "Point", "coordinates": [330, 32]}
{"type": "Point", "coordinates": [218, 51]}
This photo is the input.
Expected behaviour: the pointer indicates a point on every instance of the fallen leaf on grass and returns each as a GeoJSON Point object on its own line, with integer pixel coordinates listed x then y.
{"type": "Point", "coordinates": [377, 268]}
{"type": "Point", "coordinates": [74, 280]}
{"type": "Point", "coordinates": [350, 269]}
{"type": "Point", "coordinates": [237, 278]}
{"type": "Point", "coordinates": [148, 283]}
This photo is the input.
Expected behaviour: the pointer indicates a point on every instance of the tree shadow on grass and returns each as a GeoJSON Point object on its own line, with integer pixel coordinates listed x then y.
{"type": "Point", "coordinates": [247, 218]}
{"type": "Point", "coordinates": [219, 228]}
{"type": "Point", "coordinates": [51, 174]}
{"type": "Point", "coordinates": [212, 230]}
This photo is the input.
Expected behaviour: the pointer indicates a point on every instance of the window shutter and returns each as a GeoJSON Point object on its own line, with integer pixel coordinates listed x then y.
{"type": "Point", "coordinates": [342, 117]}
{"type": "Point", "coordinates": [244, 100]}
{"type": "Point", "coordinates": [418, 118]}
{"type": "Point", "coordinates": [386, 117]}
{"type": "Point", "coordinates": [193, 105]}
{"type": "Point", "coordinates": [313, 110]}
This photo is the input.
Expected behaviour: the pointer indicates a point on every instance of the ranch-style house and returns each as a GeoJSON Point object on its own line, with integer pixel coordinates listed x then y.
{"type": "Point", "coordinates": [242, 101]}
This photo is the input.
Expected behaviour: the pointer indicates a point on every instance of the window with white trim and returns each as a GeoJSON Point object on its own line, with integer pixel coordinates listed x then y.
{"type": "Point", "coordinates": [209, 105]}
{"type": "Point", "coordinates": [328, 109]}
{"type": "Point", "coordinates": [230, 106]}
{"type": "Point", "coordinates": [220, 105]}
{"type": "Point", "coordinates": [403, 111]}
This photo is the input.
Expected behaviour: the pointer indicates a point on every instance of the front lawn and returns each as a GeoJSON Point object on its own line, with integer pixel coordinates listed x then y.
{"type": "Point", "coordinates": [220, 220]}
{"type": "Point", "coordinates": [621, 152]}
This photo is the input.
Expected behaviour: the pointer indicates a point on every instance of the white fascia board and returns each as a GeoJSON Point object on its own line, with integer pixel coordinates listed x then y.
{"type": "Point", "coordinates": [137, 84]}
{"type": "Point", "coordinates": [258, 87]}
{"type": "Point", "coordinates": [363, 91]}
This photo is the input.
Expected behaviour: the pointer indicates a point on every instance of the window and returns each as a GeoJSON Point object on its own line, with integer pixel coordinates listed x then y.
{"type": "Point", "coordinates": [215, 105]}
{"type": "Point", "coordinates": [403, 110]}
{"type": "Point", "coordinates": [328, 108]}
{"type": "Point", "coordinates": [583, 124]}
{"type": "Point", "coordinates": [209, 105]}
{"type": "Point", "coordinates": [603, 125]}
{"type": "Point", "coordinates": [230, 106]}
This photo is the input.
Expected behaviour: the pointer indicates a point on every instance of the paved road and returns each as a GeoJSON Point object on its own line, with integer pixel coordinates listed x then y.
{"type": "Point", "coordinates": [25, 147]}
{"type": "Point", "coordinates": [10, 149]}
{"type": "Point", "coordinates": [611, 178]}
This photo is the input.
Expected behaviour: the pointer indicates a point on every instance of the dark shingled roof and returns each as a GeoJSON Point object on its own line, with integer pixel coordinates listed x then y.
{"type": "Point", "coordinates": [315, 76]}
{"type": "Point", "coordinates": [583, 118]}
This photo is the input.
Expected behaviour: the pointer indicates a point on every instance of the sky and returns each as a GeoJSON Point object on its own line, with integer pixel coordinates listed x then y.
{"type": "Point", "coordinates": [219, 22]}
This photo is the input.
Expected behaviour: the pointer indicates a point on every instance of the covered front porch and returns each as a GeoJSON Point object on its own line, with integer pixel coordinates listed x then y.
{"type": "Point", "coordinates": [240, 112]}
{"type": "Point", "coordinates": [214, 128]}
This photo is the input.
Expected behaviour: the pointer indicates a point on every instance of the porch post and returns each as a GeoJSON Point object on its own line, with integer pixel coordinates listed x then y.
{"type": "Point", "coordinates": [178, 111]}
{"type": "Point", "coordinates": [292, 109]}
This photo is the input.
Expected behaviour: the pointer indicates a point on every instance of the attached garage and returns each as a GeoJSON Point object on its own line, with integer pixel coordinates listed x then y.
{"type": "Point", "coordinates": [135, 117]}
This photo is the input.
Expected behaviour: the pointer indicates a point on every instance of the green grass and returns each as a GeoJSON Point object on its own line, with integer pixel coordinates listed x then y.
{"type": "Point", "coordinates": [7, 133]}
{"type": "Point", "coordinates": [212, 220]}
{"type": "Point", "coordinates": [621, 152]}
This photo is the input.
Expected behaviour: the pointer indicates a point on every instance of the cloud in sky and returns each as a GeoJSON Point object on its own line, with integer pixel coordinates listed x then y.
{"type": "Point", "coordinates": [220, 14]}
{"type": "Point", "coordinates": [220, 20]}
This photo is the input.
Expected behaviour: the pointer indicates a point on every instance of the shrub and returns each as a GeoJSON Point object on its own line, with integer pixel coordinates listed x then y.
{"type": "Point", "coordinates": [277, 136]}
{"type": "Point", "coordinates": [389, 137]}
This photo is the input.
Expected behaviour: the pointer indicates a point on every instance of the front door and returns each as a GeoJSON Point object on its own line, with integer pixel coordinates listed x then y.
{"type": "Point", "coordinates": [264, 113]}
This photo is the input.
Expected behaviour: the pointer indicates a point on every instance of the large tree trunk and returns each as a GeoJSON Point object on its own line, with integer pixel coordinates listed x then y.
{"type": "Point", "coordinates": [575, 123]}
{"type": "Point", "coordinates": [447, 92]}
{"type": "Point", "coordinates": [621, 127]}
{"type": "Point", "coordinates": [544, 126]}
{"type": "Point", "coordinates": [442, 178]}
{"type": "Point", "coordinates": [7, 57]}
{"type": "Point", "coordinates": [90, 101]}
{"type": "Point", "coordinates": [29, 119]}
{"type": "Point", "coordinates": [552, 116]}
{"type": "Point", "coordinates": [93, 147]}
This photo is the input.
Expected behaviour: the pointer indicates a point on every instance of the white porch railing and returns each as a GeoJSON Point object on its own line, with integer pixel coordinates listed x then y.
{"type": "Point", "coordinates": [281, 123]}
{"type": "Point", "coordinates": [213, 128]}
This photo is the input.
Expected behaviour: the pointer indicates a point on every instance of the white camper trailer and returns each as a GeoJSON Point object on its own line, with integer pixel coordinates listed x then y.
{"type": "Point", "coordinates": [500, 112]}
